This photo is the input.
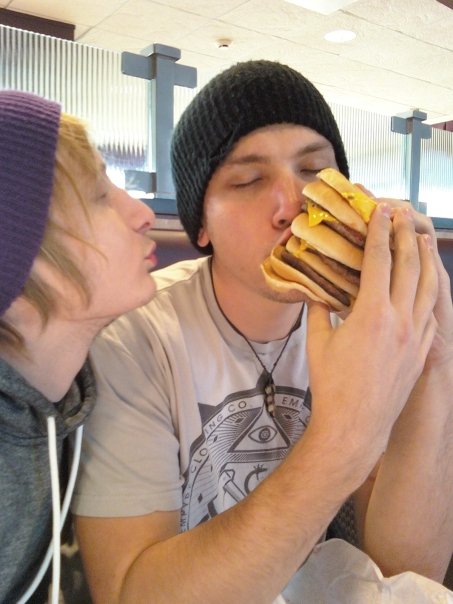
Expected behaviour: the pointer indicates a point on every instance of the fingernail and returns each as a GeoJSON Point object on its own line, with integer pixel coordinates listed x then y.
{"type": "Point", "coordinates": [385, 209]}
{"type": "Point", "coordinates": [407, 212]}
{"type": "Point", "coordinates": [428, 241]}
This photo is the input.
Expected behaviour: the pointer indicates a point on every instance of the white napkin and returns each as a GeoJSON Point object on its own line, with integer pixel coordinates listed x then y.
{"type": "Point", "coordinates": [338, 573]}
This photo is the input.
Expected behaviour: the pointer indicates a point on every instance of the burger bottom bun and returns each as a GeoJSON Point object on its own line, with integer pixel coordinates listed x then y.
{"type": "Point", "coordinates": [280, 284]}
{"type": "Point", "coordinates": [282, 277]}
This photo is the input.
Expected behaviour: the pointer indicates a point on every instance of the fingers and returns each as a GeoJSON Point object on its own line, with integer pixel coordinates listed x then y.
{"type": "Point", "coordinates": [423, 224]}
{"type": "Point", "coordinates": [414, 280]}
{"type": "Point", "coordinates": [406, 261]}
{"type": "Point", "coordinates": [377, 260]}
{"type": "Point", "coordinates": [444, 304]}
{"type": "Point", "coordinates": [428, 285]}
{"type": "Point", "coordinates": [427, 338]}
{"type": "Point", "coordinates": [402, 282]}
{"type": "Point", "coordinates": [444, 280]}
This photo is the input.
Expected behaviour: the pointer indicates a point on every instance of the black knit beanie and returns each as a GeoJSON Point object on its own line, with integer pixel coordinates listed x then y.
{"type": "Point", "coordinates": [241, 99]}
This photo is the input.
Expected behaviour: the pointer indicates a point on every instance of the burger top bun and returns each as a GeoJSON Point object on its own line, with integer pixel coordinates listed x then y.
{"type": "Point", "coordinates": [328, 242]}
{"type": "Point", "coordinates": [357, 199]}
{"type": "Point", "coordinates": [332, 201]}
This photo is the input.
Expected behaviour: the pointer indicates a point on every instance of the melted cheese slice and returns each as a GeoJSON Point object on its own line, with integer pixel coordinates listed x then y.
{"type": "Point", "coordinates": [303, 245]}
{"type": "Point", "coordinates": [297, 246]}
{"type": "Point", "coordinates": [316, 214]}
{"type": "Point", "coordinates": [362, 204]}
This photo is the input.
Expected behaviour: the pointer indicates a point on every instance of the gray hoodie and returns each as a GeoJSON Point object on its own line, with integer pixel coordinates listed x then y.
{"type": "Point", "coordinates": [25, 484]}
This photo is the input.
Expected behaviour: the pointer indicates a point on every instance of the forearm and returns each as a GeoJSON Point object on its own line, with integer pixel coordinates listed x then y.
{"type": "Point", "coordinates": [409, 521]}
{"type": "Point", "coordinates": [250, 552]}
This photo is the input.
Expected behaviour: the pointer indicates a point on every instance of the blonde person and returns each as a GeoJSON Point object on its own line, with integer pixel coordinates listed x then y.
{"type": "Point", "coordinates": [75, 253]}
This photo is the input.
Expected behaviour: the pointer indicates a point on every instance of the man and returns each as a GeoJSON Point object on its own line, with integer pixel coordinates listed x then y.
{"type": "Point", "coordinates": [211, 469]}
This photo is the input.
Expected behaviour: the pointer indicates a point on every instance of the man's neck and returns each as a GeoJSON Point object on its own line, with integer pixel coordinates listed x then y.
{"type": "Point", "coordinates": [258, 318]}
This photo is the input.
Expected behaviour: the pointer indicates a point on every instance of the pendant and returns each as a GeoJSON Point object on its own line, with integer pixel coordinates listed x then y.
{"type": "Point", "coordinates": [269, 396]}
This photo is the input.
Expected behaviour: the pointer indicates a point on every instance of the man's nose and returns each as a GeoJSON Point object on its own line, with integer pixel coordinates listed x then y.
{"type": "Point", "coordinates": [288, 200]}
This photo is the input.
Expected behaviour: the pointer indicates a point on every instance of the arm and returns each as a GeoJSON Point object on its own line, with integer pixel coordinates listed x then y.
{"type": "Point", "coordinates": [249, 552]}
{"type": "Point", "coordinates": [409, 523]}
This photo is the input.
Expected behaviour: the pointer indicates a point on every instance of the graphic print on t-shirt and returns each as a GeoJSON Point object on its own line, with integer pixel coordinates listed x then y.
{"type": "Point", "coordinates": [239, 446]}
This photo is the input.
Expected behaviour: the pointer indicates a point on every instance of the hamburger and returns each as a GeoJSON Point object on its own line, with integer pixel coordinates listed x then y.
{"type": "Point", "coordinates": [323, 256]}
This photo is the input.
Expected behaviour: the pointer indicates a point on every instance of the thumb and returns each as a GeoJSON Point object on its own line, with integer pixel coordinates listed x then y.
{"type": "Point", "coordinates": [318, 320]}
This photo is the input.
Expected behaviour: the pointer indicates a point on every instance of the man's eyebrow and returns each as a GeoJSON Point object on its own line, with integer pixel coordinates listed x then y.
{"type": "Point", "coordinates": [252, 158]}
{"type": "Point", "coordinates": [256, 158]}
{"type": "Point", "coordinates": [313, 147]}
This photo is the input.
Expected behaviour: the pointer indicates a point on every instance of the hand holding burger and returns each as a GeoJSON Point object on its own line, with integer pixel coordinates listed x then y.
{"type": "Point", "coordinates": [323, 257]}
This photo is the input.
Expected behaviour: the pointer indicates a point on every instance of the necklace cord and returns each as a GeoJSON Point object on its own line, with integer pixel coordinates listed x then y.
{"type": "Point", "coordinates": [269, 388]}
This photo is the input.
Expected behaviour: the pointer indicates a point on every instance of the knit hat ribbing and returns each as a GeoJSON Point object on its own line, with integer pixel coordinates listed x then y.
{"type": "Point", "coordinates": [28, 139]}
{"type": "Point", "coordinates": [241, 99]}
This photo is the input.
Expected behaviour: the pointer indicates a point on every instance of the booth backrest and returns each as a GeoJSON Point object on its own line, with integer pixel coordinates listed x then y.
{"type": "Point", "coordinates": [173, 245]}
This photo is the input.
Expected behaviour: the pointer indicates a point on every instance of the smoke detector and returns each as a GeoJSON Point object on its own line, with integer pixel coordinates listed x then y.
{"type": "Point", "coordinates": [223, 43]}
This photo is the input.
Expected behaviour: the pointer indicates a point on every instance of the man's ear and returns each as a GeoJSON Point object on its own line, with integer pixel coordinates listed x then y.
{"type": "Point", "coordinates": [203, 237]}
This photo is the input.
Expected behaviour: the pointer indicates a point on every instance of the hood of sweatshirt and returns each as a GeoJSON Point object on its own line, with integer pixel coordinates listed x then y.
{"type": "Point", "coordinates": [32, 432]}
{"type": "Point", "coordinates": [24, 410]}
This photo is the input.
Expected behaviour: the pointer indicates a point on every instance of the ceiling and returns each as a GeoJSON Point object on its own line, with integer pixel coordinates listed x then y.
{"type": "Point", "coordinates": [401, 58]}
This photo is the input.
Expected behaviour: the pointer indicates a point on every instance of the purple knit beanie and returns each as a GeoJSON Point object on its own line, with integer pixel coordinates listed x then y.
{"type": "Point", "coordinates": [28, 140]}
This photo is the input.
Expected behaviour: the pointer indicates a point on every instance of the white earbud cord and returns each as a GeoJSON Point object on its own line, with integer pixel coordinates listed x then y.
{"type": "Point", "coordinates": [58, 515]}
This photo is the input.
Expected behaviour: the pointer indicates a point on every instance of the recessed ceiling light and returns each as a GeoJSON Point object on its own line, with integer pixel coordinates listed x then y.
{"type": "Point", "coordinates": [340, 35]}
{"type": "Point", "coordinates": [325, 7]}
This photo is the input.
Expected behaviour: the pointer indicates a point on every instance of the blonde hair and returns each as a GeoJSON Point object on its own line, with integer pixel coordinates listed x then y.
{"type": "Point", "coordinates": [74, 153]}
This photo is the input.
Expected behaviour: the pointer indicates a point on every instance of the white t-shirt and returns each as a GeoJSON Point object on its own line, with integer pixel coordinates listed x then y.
{"type": "Point", "coordinates": [180, 421]}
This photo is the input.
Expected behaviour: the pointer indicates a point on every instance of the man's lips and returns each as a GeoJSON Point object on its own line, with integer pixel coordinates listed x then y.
{"type": "Point", "coordinates": [283, 239]}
